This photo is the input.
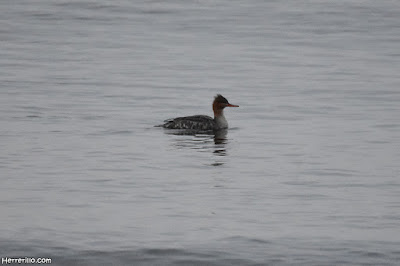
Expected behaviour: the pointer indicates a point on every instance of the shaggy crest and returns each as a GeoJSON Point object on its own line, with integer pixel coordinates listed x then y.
{"type": "Point", "coordinates": [221, 99]}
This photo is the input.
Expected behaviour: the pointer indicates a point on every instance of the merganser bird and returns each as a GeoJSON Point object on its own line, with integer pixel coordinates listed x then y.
{"type": "Point", "coordinates": [203, 122]}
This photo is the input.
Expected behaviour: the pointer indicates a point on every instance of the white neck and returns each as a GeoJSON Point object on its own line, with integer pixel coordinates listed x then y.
{"type": "Point", "coordinates": [221, 121]}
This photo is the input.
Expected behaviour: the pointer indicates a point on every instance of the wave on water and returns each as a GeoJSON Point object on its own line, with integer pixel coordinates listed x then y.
{"type": "Point", "coordinates": [129, 256]}
{"type": "Point", "coordinates": [230, 251]}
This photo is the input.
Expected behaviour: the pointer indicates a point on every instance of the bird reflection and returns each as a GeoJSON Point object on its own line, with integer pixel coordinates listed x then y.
{"type": "Point", "coordinates": [209, 141]}
{"type": "Point", "coordinates": [220, 136]}
{"type": "Point", "coordinates": [220, 140]}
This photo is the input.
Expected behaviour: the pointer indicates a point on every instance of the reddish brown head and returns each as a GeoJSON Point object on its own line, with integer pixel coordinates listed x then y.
{"type": "Point", "coordinates": [220, 102]}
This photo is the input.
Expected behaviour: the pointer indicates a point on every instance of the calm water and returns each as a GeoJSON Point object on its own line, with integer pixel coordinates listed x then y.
{"type": "Point", "coordinates": [308, 173]}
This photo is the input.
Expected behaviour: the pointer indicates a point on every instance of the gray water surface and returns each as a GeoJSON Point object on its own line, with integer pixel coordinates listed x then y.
{"type": "Point", "coordinates": [307, 174]}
